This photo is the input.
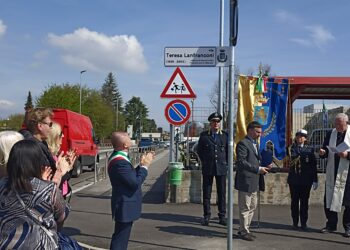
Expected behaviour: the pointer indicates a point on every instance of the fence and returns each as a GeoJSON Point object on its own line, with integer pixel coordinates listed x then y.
{"type": "Point", "coordinates": [101, 170]}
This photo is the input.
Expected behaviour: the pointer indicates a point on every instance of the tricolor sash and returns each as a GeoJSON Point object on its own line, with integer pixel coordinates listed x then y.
{"type": "Point", "coordinates": [117, 156]}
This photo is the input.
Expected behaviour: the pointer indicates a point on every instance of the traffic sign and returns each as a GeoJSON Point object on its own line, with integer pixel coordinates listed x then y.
{"type": "Point", "coordinates": [177, 112]}
{"type": "Point", "coordinates": [190, 56]}
{"type": "Point", "coordinates": [178, 86]}
{"type": "Point", "coordinates": [198, 56]}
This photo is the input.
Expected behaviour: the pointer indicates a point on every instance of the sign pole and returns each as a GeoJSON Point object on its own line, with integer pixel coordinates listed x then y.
{"type": "Point", "coordinates": [221, 69]}
{"type": "Point", "coordinates": [231, 118]}
{"type": "Point", "coordinates": [171, 154]}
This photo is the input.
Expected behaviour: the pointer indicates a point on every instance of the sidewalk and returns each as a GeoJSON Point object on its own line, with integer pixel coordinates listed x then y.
{"type": "Point", "coordinates": [177, 226]}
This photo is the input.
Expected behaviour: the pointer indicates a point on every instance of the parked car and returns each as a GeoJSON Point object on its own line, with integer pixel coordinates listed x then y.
{"type": "Point", "coordinates": [78, 135]}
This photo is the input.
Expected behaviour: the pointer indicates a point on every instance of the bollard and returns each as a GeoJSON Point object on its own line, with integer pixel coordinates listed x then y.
{"type": "Point", "coordinates": [175, 173]}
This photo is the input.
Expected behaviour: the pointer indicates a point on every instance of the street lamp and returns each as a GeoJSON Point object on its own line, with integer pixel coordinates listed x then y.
{"type": "Point", "coordinates": [116, 115]}
{"type": "Point", "coordinates": [81, 72]}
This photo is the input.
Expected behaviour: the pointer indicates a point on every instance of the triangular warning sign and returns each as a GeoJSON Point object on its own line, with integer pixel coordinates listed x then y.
{"type": "Point", "coordinates": [178, 86]}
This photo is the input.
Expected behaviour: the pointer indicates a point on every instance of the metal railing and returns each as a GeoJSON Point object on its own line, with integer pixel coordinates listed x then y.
{"type": "Point", "coordinates": [101, 170]}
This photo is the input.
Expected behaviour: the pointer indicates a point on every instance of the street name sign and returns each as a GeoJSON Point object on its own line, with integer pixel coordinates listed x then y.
{"type": "Point", "coordinates": [197, 56]}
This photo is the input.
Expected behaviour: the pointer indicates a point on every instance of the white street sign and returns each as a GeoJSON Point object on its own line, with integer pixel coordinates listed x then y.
{"type": "Point", "coordinates": [190, 57]}
{"type": "Point", "coordinates": [197, 56]}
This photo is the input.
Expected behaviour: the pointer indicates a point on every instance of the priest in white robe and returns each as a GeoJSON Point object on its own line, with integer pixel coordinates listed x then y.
{"type": "Point", "coordinates": [336, 148]}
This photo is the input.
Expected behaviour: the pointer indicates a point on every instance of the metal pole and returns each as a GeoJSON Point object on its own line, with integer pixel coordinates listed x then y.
{"type": "Point", "coordinates": [81, 72]}
{"type": "Point", "coordinates": [171, 146]}
{"type": "Point", "coordinates": [231, 118]}
{"type": "Point", "coordinates": [116, 115]}
{"type": "Point", "coordinates": [221, 69]}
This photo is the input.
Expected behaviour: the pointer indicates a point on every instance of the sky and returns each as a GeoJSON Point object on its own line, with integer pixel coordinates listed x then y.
{"type": "Point", "coordinates": [51, 41]}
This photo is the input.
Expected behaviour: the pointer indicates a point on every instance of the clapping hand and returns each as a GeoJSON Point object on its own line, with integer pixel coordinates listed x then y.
{"type": "Point", "coordinates": [147, 158]}
{"type": "Point", "coordinates": [46, 173]}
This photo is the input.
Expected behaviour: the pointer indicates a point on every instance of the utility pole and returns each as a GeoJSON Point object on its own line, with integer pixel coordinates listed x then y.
{"type": "Point", "coordinates": [231, 118]}
{"type": "Point", "coordinates": [81, 72]}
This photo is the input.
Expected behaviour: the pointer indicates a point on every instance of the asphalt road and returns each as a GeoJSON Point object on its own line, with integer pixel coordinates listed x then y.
{"type": "Point", "coordinates": [177, 226]}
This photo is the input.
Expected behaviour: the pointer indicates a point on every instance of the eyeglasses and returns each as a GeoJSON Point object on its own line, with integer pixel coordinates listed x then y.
{"type": "Point", "coordinates": [47, 123]}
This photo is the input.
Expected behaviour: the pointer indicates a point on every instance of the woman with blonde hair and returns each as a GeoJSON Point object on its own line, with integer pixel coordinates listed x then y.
{"type": "Point", "coordinates": [7, 140]}
{"type": "Point", "coordinates": [54, 142]}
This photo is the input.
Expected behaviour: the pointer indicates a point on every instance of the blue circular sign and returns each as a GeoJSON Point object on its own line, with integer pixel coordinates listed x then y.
{"type": "Point", "coordinates": [177, 112]}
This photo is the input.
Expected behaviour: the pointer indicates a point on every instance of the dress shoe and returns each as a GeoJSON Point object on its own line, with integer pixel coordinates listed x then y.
{"type": "Point", "coordinates": [252, 235]}
{"type": "Point", "coordinates": [223, 221]}
{"type": "Point", "coordinates": [327, 230]}
{"type": "Point", "coordinates": [295, 227]}
{"type": "Point", "coordinates": [347, 234]}
{"type": "Point", "coordinates": [247, 237]}
{"type": "Point", "coordinates": [205, 221]}
{"type": "Point", "coordinates": [304, 227]}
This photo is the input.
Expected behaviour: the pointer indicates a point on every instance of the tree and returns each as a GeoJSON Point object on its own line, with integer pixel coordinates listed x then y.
{"type": "Point", "coordinates": [62, 96]}
{"type": "Point", "coordinates": [29, 104]}
{"type": "Point", "coordinates": [111, 95]}
{"type": "Point", "coordinates": [67, 96]}
{"type": "Point", "coordinates": [136, 114]}
{"type": "Point", "coordinates": [13, 122]}
{"type": "Point", "coordinates": [150, 126]}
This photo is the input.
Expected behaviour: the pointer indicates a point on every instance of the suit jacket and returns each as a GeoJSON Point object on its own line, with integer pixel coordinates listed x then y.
{"type": "Point", "coordinates": [248, 161]}
{"type": "Point", "coordinates": [213, 153]}
{"type": "Point", "coordinates": [126, 181]}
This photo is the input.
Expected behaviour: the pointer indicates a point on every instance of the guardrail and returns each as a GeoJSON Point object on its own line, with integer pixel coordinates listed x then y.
{"type": "Point", "coordinates": [101, 171]}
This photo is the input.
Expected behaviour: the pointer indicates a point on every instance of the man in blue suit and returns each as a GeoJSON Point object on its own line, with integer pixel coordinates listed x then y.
{"type": "Point", "coordinates": [126, 181]}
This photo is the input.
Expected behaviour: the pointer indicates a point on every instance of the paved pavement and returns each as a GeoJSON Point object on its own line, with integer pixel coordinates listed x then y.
{"type": "Point", "coordinates": [177, 226]}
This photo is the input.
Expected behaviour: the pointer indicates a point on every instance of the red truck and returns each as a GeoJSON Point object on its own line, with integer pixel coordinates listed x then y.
{"type": "Point", "coordinates": [79, 135]}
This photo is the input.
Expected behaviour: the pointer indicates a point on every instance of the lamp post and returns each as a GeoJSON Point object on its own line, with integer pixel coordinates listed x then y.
{"type": "Point", "coordinates": [81, 72]}
{"type": "Point", "coordinates": [116, 115]}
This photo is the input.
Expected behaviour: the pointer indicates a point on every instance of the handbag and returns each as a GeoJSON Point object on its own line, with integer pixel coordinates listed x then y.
{"type": "Point", "coordinates": [38, 220]}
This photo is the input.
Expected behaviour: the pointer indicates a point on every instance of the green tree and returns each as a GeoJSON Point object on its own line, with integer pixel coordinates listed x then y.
{"type": "Point", "coordinates": [29, 104]}
{"type": "Point", "coordinates": [150, 126]}
{"type": "Point", "coordinates": [111, 95]}
{"type": "Point", "coordinates": [62, 96]}
{"type": "Point", "coordinates": [136, 114]}
{"type": "Point", "coordinates": [13, 122]}
{"type": "Point", "coordinates": [67, 96]}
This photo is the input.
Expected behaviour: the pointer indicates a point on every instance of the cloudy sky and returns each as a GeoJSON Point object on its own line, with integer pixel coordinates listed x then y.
{"type": "Point", "coordinates": [51, 41]}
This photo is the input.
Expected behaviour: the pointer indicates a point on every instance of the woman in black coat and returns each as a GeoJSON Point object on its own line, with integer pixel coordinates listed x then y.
{"type": "Point", "coordinates": [302, 176]}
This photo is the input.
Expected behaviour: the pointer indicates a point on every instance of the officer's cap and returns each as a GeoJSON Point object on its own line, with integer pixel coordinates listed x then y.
{"type": "Point", "coordinates": [215, 116]}
{"type": "Point", "coordinates": [301, 132]}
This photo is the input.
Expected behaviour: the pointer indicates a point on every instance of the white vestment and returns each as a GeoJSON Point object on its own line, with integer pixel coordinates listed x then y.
{"type": "Point", "coordinates": [335, 190]}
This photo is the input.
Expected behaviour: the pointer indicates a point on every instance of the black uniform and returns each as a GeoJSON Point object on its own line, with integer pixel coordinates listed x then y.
{"type": "Point", "coordinates": [212, 151]}
{"type": "Point", "coordinates": [302, 173]}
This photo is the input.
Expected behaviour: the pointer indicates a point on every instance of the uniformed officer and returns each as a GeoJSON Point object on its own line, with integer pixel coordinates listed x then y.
{"type": "Point", "coordinates": [302, 176]}
{"type": "Point", "coordinates": [212, 151]}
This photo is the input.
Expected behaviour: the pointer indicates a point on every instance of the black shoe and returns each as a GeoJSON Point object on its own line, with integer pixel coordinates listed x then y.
{"type": "Point", "coordinates": [252, 235]}
{"type": "Point", "coordinates": [304, 227]}
{"type": "Point", "coordinates": [205, 221]}
{"type": "Point", "coordinates": [327, 230]}
{"type": "Point", "coordinates": [247, 237]}
{"type": "Point", "coordinates": [223, 221]}
{"type": "Point", "coordinates": [347, 234]}
{"type": "Point", "coordinates": [295, 227]}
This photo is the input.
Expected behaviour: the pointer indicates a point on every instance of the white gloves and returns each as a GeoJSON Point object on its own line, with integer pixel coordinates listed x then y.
{"type": "Point", "coordinates": [314, 185]}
